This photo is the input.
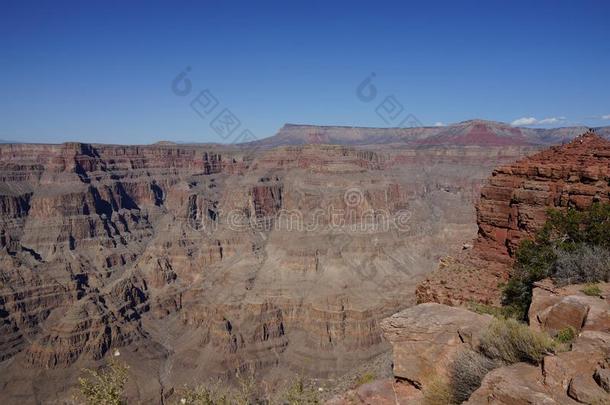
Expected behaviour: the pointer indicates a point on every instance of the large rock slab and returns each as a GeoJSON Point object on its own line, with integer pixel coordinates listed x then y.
{"type": "Point", "coordinates": [425, 338]}
{"type": "Point", "coordinates": [556, 308]}
{"type": "Point", "coordinates": [519, 384]}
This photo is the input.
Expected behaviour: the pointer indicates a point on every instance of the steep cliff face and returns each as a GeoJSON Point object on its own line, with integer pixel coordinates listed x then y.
{"type": "Point", "coordinates": [513, 205]}
{"type": "Point", "coordinates": [196, 261]}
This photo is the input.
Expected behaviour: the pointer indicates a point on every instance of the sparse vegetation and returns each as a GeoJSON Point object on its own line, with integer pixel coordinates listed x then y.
{"type": "Point", "coordinates": [511, 341]}
{"type": "Point", "coordinates": [104, 386]}
{"type": "Point", "coordinates": [566, 335]}
{"type": "Point", "coordinates": [203, 396]}
{"type": "Point", "coordinates": [246, 392]}
{"type": "Point", "coordinates": [300, 394]}
{"type": "Point", "coordinates": [572, 247]}
{"type": "Point", "coordinates": [365, 378]}
{"type": "Point", "coordinates": [585, 264]}
{"type": "Point", "coordinates": [496, 312]}
{"type": "Point", "coordinates": [437, 392]}
{"type": "Point", "coordinates": [466, 373]}
{"type": "Point", "coordinates": [592, 290]}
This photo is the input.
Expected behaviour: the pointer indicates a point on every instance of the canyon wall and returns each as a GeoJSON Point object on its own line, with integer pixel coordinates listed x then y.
{"type": "Point", "coordinates": [195, 261]}
{"type": "Point", "coordinates": [513, 205]}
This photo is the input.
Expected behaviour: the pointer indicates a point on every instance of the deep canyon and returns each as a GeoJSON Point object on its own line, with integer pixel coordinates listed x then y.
{"type": "Point", "coordinates": [193, 261]}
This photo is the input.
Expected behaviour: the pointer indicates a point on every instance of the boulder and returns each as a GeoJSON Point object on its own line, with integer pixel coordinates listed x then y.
{"type": "Point", "coordinates": [518, 384]}
{"type": "Point", "coordinates": [584, 389]}
{"type": "Point", "coordinates": [425, 338]}
{"type": "Point", "coordinates": [555, 308]}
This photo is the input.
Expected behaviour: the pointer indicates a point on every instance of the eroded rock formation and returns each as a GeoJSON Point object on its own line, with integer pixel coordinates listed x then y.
{"type": "Point", "coordinates": [512, 207]}
{"type": "Point", "coordinates": [196, 261]}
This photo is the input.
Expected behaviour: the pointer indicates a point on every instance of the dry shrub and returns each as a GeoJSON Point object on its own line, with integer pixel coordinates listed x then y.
{"type": "Point", "coordinates": [300, 393]}
{"type": "Point", "coordinates": [466, 373]}
{"type": "Point", "coordinates": [202, 395]}
{"type": "Point", "coordinates": [365, 379]}
{"type": "Point", "coordinates": [586, 264]}
{"type": "Point", "coordinates": [437, 392]}
{"type": "Point", "coordinates": [104, 386]}
{"type": "Point", "coordinates": [511, 341]}
{"type": "Point", "coordinates": [592, 290]}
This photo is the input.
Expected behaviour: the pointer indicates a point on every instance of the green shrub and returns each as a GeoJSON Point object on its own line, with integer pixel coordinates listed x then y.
{"type": "Point", "coordinates": [496, 312]}
{"type": "Point", "coordinates": [511, 341]}
{"type": "Point", "coordinates": [573, 246]}
{"type": "Point", "coordinates": [104, 386]}
{"type": "Point", "coordinates": [566, 335]}
{"type": "Point", "coordinates": [466, 373]}
{"type": "Point", "coordinates": [533, 262]}
{"type": "Point", "coordinates": [592, 290]}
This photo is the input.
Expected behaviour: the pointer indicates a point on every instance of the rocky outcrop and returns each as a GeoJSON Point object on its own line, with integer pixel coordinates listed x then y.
{"type": "Point", "coordinates": [512, 207]}
{"type": "Point", "coordinates": [556, 308]}
{"type": "Point", "coordinates": [426, 337]}
{"type": "Point", "coordinates": [569, 377]}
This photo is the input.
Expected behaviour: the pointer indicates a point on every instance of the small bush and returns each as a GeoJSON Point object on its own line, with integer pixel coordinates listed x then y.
{"type": "Point", "coordinates": [243, 392]}
{"type": "Point", "coordinates": [511, 341]}
{"type": "Point", "coordinates": [104, 386]}
{"type": "Point", "coordinates": [437, 392]}
{"type": "Point", "coordinates": [585, 264]}
{"type": "Point", "coordinates": [572, 247]}
{"type": "Point", "coordinates": [364, 379]}
{"type": "Point", "coordinates": [533, 262]}
{"type": "Point", "coordinates": [592, 290]}
{"type": "Point", "coordinates": [203, 396]}
{"type": "Point", "coordinates": [466, 373]}
{"type": "Point", "coordinates": [299, 393]}
{"type": "Point", "coordinates": [566, 335]}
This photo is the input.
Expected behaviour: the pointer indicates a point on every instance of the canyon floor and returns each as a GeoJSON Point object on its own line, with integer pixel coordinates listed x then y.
{"type": "Point", "coordinates": [193, 261]}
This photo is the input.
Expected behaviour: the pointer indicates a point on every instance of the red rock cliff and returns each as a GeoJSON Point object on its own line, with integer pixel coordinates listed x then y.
{"type": "Point", "coordinates": [512, 207]}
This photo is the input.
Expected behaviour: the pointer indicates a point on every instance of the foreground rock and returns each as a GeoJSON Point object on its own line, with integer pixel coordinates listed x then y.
{"type": "Point", "coordinates": [566, 378]}
{"type": "Point", "coordinates": [380, 392]}
{"type": "Point", "coordinates": [556, 308]}
{"type": "Point", "coordinates": [579, 375]}
{"type": "Point", "coordinates": [425, 338]}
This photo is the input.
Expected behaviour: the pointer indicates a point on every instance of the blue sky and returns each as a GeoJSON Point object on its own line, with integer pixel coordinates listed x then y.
{"type": "Point", "coordinates": [103, 71]}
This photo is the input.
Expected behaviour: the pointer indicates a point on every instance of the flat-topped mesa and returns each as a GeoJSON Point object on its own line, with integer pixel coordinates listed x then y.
{"type": "Point", "coordinates": [512, 207]}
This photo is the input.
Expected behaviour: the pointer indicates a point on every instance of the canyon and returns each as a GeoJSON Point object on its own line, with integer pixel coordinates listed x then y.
{"type": "Point", "coordinates": [280, 256]}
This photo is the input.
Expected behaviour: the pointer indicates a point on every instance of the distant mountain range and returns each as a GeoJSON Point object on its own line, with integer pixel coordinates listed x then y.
{"type": "Point", "coordinates": [467, 133]}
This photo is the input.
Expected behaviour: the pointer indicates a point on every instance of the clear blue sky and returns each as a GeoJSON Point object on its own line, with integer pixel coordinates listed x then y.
{"type": "Point", "coordinates": [102, 72]}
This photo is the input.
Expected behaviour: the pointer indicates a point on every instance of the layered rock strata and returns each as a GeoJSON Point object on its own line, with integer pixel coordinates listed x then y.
{"type": "Point", "coordinates": [513, 205]}
{"type": "Point", "coordinates": [196, 261]}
